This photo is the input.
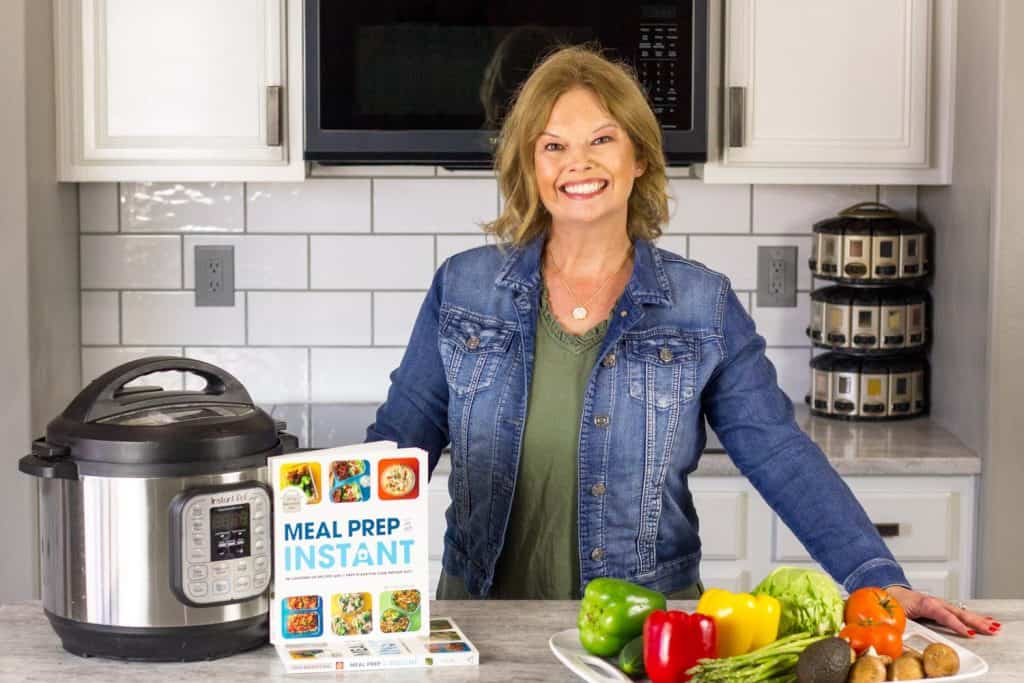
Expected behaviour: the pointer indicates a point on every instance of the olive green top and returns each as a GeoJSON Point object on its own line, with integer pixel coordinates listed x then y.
{"type": "Point", "coordinates": [540, 557]}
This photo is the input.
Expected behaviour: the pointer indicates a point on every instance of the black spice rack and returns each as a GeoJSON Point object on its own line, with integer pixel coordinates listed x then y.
{"type": "Point", "coordinates": [877, 322]}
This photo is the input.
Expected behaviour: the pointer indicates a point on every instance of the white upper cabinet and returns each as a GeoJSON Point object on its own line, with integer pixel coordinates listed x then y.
{"type": "Point", "coordinates": [832, 91]}
{"type": "Point", "coordinates": [188, 90]}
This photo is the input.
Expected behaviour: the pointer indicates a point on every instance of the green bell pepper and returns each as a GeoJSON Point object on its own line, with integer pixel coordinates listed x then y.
{"type": "Point", "coordinates": [612, 613]}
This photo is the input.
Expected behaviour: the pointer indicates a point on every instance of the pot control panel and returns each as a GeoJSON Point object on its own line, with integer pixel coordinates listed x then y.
{"type": "Point", "coordinates": [224, 544]}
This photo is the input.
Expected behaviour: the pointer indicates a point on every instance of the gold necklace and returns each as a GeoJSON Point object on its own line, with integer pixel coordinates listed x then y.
{"type": "Point", "coordinates": [580, 311]}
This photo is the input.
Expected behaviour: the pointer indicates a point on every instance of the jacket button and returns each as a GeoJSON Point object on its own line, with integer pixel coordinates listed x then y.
{"type": "Point", "coordinates": [609, 360]}
{"type": "Point", "coordinates": [665, 355]}
{"type": "Point", "coordinates": [473, 342]}
{"type": "Point", "coordinates": [601, 421]}
{"type": "Point", "coordinates": [597, 554]}
{"type": "Point", "coordinates": [597, 490]}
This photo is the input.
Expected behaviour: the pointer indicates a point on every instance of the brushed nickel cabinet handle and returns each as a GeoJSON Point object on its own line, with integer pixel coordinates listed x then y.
{"type": "Point", "coordinates": [888, 530]}
{"type": "Point", "coordinates": [274, 101]}
{"type": "Point", "coordinates": [737, 97]}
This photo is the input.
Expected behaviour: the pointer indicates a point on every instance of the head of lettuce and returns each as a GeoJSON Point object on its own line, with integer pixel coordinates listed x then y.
{"type": "Point", "coordinates": [809, 599]}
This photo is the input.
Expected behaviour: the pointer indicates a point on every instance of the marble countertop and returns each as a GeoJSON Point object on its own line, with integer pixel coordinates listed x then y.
{"type": "Point", "coordinates": [512, 638]}
{"type": "Point", "coordinates": [917, 446]}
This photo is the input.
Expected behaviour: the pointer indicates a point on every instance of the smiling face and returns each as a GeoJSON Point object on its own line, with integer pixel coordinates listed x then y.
{"type": "Point", "coordinates": [584, 162]}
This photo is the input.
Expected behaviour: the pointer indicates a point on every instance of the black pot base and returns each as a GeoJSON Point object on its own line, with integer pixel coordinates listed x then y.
{"type": "Point", "coordinates": [163, 644]}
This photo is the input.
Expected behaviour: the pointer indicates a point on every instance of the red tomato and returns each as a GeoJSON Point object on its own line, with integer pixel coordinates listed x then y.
{"type": "Point", "coordinates": [884, 638]}
{"type": "Point", "coordinates": [875, 606]}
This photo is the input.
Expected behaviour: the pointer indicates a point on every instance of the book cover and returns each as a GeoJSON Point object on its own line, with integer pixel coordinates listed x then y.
{"type": "Point", "coordinates": [350, 545]}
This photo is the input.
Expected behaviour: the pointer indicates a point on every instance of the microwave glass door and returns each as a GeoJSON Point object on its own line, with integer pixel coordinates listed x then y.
{"type": "Point", "coordinates": [455, 64]}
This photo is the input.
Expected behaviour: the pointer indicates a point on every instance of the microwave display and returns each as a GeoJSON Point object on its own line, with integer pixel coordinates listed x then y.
{"type": "Point", "coordinates": [455, 65]}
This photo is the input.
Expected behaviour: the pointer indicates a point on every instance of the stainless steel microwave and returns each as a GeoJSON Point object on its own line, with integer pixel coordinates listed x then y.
{"type": "Point", "coordinates": [428, 81]}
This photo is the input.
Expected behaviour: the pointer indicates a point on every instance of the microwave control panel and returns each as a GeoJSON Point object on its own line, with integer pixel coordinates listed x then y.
{"type": "Point", "coordinates": [656, 59]}
{"type": "Point", "coordinates": [223, 544]}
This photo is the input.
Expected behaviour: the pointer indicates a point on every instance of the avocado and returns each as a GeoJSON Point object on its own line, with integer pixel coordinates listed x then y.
{"type": "Point", "coordinates": [826, 661]}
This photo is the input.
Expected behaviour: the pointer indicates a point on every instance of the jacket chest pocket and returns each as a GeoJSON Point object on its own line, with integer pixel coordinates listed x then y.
{"type": "Point", "coordinates": [662, 368]}
{"type": "Point", "coordinates": [472, 349]}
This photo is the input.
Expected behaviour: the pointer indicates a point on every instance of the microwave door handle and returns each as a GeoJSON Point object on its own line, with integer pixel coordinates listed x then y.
{"type": "Point", "coordinates": [275, 95]}
{"type": "Point", "coordinates": [737, 98]}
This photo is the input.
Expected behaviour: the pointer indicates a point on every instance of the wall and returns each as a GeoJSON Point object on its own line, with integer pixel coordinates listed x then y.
{"type": "Point", "coordinates": [330, 274]}
{"type": "Point", "coordinates": [978, 284]}
{"type": "Point", "coordinates": [39, 356]}
{"type": "Point", "coordinates": [961, 215]}
{"type": "Point", "coordinates": [17, 497]}
{"type": "Point", "coordinates": [1002, 552]}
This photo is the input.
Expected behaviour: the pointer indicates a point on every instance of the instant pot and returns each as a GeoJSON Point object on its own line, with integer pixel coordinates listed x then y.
{"type": "Point", "coordinates": [155, 516]}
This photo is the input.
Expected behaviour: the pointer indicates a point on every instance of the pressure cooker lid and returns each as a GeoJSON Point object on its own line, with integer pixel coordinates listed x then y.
{"type": "Point", "coordinates": [111, 428]}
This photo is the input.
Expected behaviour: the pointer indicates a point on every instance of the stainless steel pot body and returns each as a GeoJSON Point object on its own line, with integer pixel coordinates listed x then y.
{"type": "Point", "coordinates": [107, 548]}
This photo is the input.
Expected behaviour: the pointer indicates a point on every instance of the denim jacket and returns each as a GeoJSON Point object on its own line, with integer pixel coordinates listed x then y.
{"type": "Point", "coordinates": [679, 347]}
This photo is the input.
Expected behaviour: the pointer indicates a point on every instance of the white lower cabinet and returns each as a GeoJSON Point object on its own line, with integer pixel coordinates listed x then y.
{"type": "Point", "coordinates": [927, 522]}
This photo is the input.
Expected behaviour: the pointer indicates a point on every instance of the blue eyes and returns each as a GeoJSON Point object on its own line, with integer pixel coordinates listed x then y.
{"type": "Point", "coordinates": [556, 146]}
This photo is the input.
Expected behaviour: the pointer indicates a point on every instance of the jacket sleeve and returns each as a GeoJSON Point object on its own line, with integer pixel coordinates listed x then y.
{"type": "Point", "coordinates": [754, 420]}
{"type": "Point", "coordinates": [415, 413]}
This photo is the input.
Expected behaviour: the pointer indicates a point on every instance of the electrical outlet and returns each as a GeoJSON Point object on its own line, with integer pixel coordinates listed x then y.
{"type": "Point", "coordinates": [776, 276]}
{"type": "Point", "coordinates": [215, 275]}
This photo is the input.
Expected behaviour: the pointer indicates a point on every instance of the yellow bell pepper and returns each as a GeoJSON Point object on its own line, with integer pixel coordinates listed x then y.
{"type": "Point", "coordinates": [744, 622]}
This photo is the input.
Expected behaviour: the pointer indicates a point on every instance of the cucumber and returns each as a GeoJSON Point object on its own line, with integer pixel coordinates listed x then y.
{"type": "Point", "coordinates": [631, 659]}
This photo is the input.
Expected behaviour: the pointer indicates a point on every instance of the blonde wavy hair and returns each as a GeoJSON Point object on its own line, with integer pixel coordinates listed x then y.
{"type": "Point", "coordinates": [524, 217]}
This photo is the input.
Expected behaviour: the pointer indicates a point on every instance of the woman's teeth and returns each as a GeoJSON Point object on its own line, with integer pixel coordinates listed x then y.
{"type": "Point", "coordinates": [584, 188]}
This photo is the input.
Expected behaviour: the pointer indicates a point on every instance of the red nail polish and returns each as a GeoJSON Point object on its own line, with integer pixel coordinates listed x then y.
{"type": "Point", "coordinates": [997, 624]}
{"type": "Point", "coordinates": [993, 629]}
{"type": "Point", "coordinates": [970, 633]}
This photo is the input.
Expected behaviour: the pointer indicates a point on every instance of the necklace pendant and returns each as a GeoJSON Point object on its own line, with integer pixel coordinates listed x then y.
{"type": "Point", "coordinates": [580, 312]}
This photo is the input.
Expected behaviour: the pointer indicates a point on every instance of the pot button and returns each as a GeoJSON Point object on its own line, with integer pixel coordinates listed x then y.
{"type": "Point", "coordinates": [197, 512]}
{"type": "Point", "coordinates": [198, 540]}
{"type": "Point", "coordinates": [220, 569]}
{"type": "Point", "coordinates": [221, 587]}
{"type": "Point", "coordinates": [601, 421]}
{"type": "Point", "coordinates": [242, 583]}
{"type": "Point", "coordinates": [597, 554]}
{"type": "Point", "coordinates": [258, 546]}
{"type": "Point", "coordinates": [472, 343]}
{"type": "Point", "coordinates": [242, 567]}
{"type": "Point", "coordinates": [597, 490]}
{"type": "Point", "coordinates": [261, 581]}
{"type": "Point", "coordinates": [197, 572]}
{"type": "Point", "coordinates": [197, 555]}
{"type": "Point", "coordinates": [197, 590]}
{"type": "Point", "coordinates": [609, 360]}
{"type": "Point", "coordinates": [260, 563]}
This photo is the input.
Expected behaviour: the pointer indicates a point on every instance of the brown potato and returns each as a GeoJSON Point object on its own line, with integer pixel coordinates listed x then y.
{"type": "Point", "coordinates": [940, 660]}
{"type": "Point", "coordinates": [906, 668]}
{"type": "Point", "coordinates": [867, 669]}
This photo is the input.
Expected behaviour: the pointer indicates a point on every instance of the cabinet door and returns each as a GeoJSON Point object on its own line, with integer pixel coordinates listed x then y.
{"type": "Point", "coordinates": [827, 83]}
{"type": "Point", "coordinates": [184, 90]}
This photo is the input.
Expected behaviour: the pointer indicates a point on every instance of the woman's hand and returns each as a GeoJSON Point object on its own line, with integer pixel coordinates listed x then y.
{"type": "Point", "coordinates": [958, 619]}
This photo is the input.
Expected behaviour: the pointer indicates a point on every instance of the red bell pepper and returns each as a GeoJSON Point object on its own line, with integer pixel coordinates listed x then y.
{"type": "Point", "coordinates": [674, 641]}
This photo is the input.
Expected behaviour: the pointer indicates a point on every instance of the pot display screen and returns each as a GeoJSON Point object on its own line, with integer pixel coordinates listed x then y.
{"type": "Point", "coordinates": [229, 532]}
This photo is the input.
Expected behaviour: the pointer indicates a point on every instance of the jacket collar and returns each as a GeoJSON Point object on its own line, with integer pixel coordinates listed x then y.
{"type": "Point", "coordinates": [647, 285]}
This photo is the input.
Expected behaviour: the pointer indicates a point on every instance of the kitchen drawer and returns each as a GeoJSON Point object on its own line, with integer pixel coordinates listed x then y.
{"type": "Point", "coordinates": [917, 526]}
{"type": "Point", "coordinates": [723, 524]}
{"type": "Point", "coordinates": [729, 578]}
{"type": "Point", "coordinates": [435, 576]}
{"type": "Point", "coordinates": [438, 503]}
{"type": "Point", "coordinates": [942, 583]}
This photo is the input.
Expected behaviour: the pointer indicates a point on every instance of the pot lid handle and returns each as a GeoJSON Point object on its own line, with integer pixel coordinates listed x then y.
{"type": "Point", "coordinates": [107, 395]}
{"type": "Point", "coordinates": [870, 210]}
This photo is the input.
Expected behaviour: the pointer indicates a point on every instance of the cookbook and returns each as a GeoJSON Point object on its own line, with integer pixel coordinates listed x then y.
{"type": "Point", "coordinates": [351, 577]}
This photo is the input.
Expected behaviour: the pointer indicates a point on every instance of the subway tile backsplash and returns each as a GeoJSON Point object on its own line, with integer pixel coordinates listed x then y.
{"type": "Point", "coordinates": [331, 273]}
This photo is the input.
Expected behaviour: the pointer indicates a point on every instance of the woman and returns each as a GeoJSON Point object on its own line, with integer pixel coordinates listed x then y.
{"type": "Point", "coordinates": [572, 368]}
